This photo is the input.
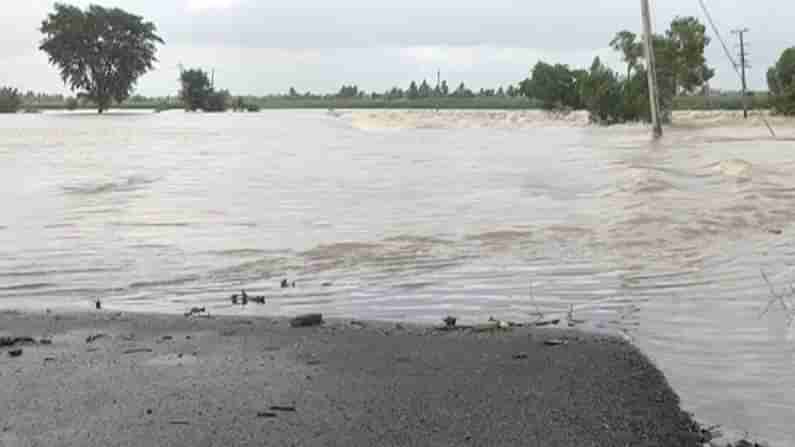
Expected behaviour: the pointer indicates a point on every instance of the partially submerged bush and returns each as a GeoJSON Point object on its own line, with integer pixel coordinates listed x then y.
{"type": "Point", "coordinates": [10, 100]}
{"type": "Point", "coordinates": [217, 101]}
{"type": "Point", "coordinates": [241, 105]}
{"type": "Point", "coordinates": [196, 89]}
{"type": "Point", "coordinates": [72, 104]}
{"type": "Point", "coordinates": [602, 94]}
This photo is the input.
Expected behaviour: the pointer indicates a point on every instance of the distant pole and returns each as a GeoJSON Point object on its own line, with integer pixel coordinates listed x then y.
{"type": "Point", "coordinates": [438, 87]}
{"type": "Point", "coordinates": [654, 97]}
{"type": "Point", "coordinates": [743, 65]}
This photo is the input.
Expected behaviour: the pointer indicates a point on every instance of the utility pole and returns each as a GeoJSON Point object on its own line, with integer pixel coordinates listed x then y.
{"type": "Point", "coordinates": [743, 66]}
{"type": "Point", "coordinates": [438, 88]}
{"type": "Point", "coordinates": [654, 96]}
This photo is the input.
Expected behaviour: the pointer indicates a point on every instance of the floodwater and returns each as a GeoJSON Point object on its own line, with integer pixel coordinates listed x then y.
{"type": "Point", "coordinates": [399, 217]}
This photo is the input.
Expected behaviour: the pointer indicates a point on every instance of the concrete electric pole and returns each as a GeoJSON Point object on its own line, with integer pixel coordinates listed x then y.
{"type": "Point", "coordinates": [743, 65]}
{"type": "Point", "coordinates": [648, 45]}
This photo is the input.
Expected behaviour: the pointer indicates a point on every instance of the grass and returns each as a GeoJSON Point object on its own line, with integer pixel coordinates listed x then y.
{"type": "Point", "coordinates": [728, 102]}
{"type": "Point", "coordinates": [759, 101]}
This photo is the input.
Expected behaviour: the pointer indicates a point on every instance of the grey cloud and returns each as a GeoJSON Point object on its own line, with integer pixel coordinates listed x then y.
{"type": "Point", "coordinates": [350, 36]}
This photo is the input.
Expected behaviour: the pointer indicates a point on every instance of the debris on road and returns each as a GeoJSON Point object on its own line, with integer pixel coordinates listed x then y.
{"type": "Point", "coordinates": [307, 320]}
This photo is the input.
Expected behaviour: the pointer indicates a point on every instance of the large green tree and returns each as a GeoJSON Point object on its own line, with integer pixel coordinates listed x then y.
{"type": "Point", "coordinates": [196, 89]}
{"type": "Point", "coordinates": [100, 52]}
{"type": "Point", "coordinates": [688, 40]}
{"type": "Point", "coordinates": [601, 92]}
{"type": "Point", "coordinates": [781, 81]}
{"type": "Point", "coordinates": [554, 85]}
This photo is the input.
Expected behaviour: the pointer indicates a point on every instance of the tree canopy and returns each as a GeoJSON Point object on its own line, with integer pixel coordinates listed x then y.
{"type": "Point", "coordinates": [625, 42]}
{"type": "Point", "coordinates": [556, 86]}
{"type": "Point", "coordinates": [100, 52]}
{"type": "Point", "coordinates": [781, 81]}
{"type": "Point", "coordinates": [196, 89]}
{"type": "Point", "coordinates": [679, 54]}
{"type": "Point", "coordinates": [687, 39]}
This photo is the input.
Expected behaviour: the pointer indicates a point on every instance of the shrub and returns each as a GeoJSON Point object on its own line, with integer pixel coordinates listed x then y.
{"type": "Point", "coordinates": [217, 101]}
{"type": "Point", "coordinates": [72, 104]}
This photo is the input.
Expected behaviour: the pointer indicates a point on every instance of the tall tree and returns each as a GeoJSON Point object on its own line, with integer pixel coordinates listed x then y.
{"type": "Point", "coordinates": [424, 89]}
{"type": "Point", "coordinates": [445, 88]}
{"type": "Point", "coordinates": [601, 92]}
{"type": "Point", "coordinates": [688, 40]}
{"type": "Point", "coordinates": [196, 89]}
{"type": "Point", "coordinates": [625, 43]}
{"type": "Point", "coordinates": [100, 52]}
{"type": "Point", "coordinates": [413, 92]}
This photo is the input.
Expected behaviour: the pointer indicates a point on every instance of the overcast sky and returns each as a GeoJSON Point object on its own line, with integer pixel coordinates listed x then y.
{"type": "Point", "coordinates": [267, 46]}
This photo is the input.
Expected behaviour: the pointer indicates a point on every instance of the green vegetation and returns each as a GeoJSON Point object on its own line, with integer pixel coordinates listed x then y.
{"type": "Point", "coordinates": [781, 81]}
{"type": "Point", "coordinates": [217, 101]}
{"type": "Point", "coordinates": [759, 100]}
{"type": "Point", "coordinates": [197, 93]}
{"type": "Point", "coordinates": [196, 89]}
{"type": "Point", "coordinates": [100, 52]}
{"type": "Point", "coordinates": [612, 98]}
{"type": "Point", "coordinates": [72, 104]}
{"type": "Point", "coordinates": [10, 100]}
{"type": "Point", "coordinates": [556, 87]}
{"type": "Point", "coordinates": [242, 105]}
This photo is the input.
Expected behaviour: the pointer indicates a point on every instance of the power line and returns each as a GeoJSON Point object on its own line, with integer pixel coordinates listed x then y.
{"type": "Point", "coordinates": [729, 56]}
{"type": "Point", "coordinates": [717, 33]}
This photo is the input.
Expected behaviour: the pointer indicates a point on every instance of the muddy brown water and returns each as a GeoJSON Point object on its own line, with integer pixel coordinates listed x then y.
{"type": "Point", "coordinates": [471, 215]}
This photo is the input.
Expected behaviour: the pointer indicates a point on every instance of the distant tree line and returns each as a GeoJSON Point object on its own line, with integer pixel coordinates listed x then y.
{"type": "Point", "coordinates": [415, 90]}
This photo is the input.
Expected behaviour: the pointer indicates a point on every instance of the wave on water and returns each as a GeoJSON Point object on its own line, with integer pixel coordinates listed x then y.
{"type": "Point", "coordinates": [28, 286]}
{"type": "Point", "coordinates": [529, 119]}
{"type": "Point", "coordinates": [26, 273]}
{"type": "Point", "coordinates": [243, 252]}
{"type": "Point", "coordinates": [131, 183]}
{"type": "Point", "coordinates": [165, 282]}
{"type": "Point", "coordinates": [153, 224]}
{"type": "Point", "coordinates": [462, 119]}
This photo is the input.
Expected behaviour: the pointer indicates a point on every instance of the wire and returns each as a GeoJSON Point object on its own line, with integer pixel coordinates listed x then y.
{"type": "Point", "coordinates": [720, 38]}
{"type": "Point", "coordinates": [729, 56]}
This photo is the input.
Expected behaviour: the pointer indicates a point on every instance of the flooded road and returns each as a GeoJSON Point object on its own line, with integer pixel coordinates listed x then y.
{"type": "Point", "coordinates": [414, 216]}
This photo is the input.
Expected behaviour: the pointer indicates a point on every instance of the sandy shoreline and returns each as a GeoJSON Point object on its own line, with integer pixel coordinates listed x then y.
{"type": "Point", "coordinates": [171, 380]}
